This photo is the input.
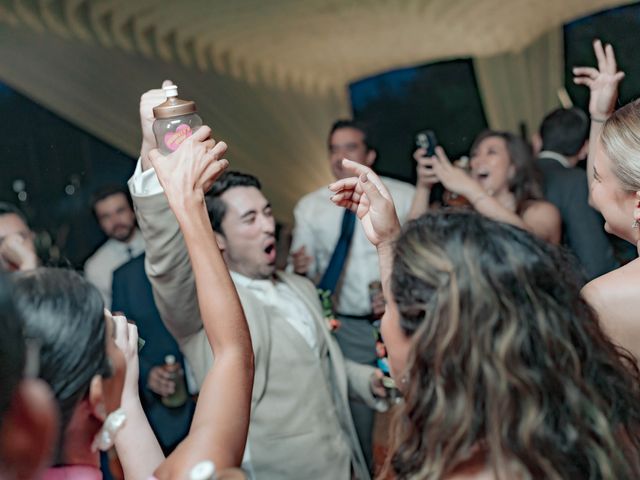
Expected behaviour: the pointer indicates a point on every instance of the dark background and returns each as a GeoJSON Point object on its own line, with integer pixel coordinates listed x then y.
{"type": "Point", "coordinates": [61, 165]}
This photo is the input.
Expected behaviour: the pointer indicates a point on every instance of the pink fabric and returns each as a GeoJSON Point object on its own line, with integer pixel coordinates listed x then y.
{"type": "Point", "coordinates": [75, 472]}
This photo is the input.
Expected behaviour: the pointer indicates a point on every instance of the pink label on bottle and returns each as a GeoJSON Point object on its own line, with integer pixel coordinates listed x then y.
{"type": "Point", "coordinates": [172, 140]}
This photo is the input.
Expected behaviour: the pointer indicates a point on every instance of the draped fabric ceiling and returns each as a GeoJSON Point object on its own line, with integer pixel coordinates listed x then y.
{"type": "Point", "coordinates": [269, 76]}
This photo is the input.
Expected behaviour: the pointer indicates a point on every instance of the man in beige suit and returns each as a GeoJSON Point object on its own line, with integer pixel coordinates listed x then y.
{"type": "Point", "coordinates": [301, 426]}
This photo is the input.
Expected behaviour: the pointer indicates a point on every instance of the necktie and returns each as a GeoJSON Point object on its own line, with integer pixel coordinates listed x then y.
{"type": "Point", "coordinates": [331, 275]}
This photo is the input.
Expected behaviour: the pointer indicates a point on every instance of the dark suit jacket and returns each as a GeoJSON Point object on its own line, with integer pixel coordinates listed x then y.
{"type": "Point", "coordinates": [133, 296]}
{"type": "Point", "coordinates": [583, 227]}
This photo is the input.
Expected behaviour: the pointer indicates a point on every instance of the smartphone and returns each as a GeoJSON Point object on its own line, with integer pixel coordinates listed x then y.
{"type": "Point", "coordinates": [427, 140]}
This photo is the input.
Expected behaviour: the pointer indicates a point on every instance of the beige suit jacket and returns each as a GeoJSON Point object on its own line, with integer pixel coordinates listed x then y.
{"type": "Point", "coordinates": [301, 426]}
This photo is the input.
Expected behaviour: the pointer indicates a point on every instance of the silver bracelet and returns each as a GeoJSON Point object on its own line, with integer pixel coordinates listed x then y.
{"type": "Point", "coordinates": [598, 120]}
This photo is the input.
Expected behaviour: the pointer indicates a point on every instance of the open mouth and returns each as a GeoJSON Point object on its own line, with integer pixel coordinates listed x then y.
{"type": "Point", "coordinates": [270, 252]}
{"type": "Point", "coordinates": [481, 176]}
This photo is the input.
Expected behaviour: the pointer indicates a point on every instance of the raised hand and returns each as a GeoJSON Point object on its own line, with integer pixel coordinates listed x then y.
{"type": "Point", "coordinates": [424, 169]}
{"type": "Point", "coordinates": [454, 179]}
{"type": "Point", "coordinates": [17, 254]}
{"type": "Point", "coordinates": [367, 196]}
{"type": "Point", "coordinates": [603, 81]}
{"type": "Point", "coordinates": [148, 101]}
{"type": "Point", "coordinates": [188, 173]}
{"type": "Point", "coordinates": [126, 339]}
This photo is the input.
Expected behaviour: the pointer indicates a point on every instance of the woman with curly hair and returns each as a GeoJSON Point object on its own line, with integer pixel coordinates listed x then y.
{"type": "Point", "coordinates": [504, 369]}
{"type": "Point", "coordinates": [502, 183]}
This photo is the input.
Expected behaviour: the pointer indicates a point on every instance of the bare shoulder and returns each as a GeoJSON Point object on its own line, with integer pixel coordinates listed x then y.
{"type": "Point", "coordinates": [544, 220]}
{"type": "Point", "coordinates": [615, 299]}
{"type": "Point", "coordinates": [541, 209]}
{"type": "Point", "coordinates": [617, 286]}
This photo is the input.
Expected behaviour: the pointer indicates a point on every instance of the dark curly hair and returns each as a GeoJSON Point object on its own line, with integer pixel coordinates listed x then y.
{"type": "Point", "coordinates": [507, 359]}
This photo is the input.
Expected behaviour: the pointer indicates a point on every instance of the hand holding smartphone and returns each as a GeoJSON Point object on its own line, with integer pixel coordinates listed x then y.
{"type": "Point", "coordinates": [427, 139]}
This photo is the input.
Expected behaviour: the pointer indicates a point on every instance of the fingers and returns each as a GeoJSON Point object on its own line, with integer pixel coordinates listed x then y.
{"type": "Point", "coordinates": [583, 81]}
{"type": "Point", "coordinates": [371, 189]}
{"type": "Point", "coordinates": [356, 168]}
{"type": "Point", "coordinates": [219, 150]}
{"type": "Point", "coordinates": [350, 196]}
{"type": "Point", "coordinates": [600, 55]}
{"type": "Point", "coordinates": [344, 184]}
{"type": "Point", "coordinates": [133, 337]}
{"type": "Point", "coordinates": [586, 71]}
{"type": "Point", "coordinates": [121, 332]}
{"type": "Point", "coordinates": [612, 65]}
{"type": "Point", "coordinates": [212, 172]}
{"type": "Point", "coordinates": [442, 156]}
{"type": "Point", "coordinates": [419, 154]}
{"type": "Point", "coordinates": [161, 381]}
{"type": "Point", "coordinates": [166, 83]}
{"type": "Point", "coordinates": [209, 144]}
{"type": "Point", "coordinates": [201, 134]}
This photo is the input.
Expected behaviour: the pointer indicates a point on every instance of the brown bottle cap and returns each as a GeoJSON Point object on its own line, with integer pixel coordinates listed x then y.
{"type": "Point", "coordinates": [173, 106]}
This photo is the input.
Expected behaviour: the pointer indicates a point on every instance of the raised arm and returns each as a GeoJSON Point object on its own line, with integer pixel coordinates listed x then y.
{"type": "Point", "coordinates": [166, 261]}
{"type": "Point", "coordinates": [367, 196]}
{"type": "Point", "coordinates": [603, 84]}
{"type": "Point", "coordinates": [426, 179]}
{"type": "Point", "coordinates": [221, 421]}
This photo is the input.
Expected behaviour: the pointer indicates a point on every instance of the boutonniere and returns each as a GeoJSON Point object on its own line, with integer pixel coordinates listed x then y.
{"type": "Point", "coordinates": [327, 310]}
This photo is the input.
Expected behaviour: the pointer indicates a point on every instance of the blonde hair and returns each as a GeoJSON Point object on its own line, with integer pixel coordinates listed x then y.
{"type": "Point", "coordinates": [621, 142]}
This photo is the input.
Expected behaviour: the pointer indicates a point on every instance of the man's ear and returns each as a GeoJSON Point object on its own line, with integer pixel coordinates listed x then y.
{"type": "Point", "coordinates": [221, 241]}
{"type": "Point", "coordinates": [372, 155]}
{"type": "Point", "coordinates": [584, 151]}
{"type": "Point", "coordinates": [29, 431]}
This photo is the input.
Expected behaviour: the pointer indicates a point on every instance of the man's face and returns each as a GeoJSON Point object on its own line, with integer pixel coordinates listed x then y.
{"type": "Point", "coordinates": [12, 224]}
{"type": "Point", "coordinates": [13, 228]}
{"type": "Point", "coordinates": [348, 143]}
{"type": "Point", "coordinates": [116, 218]}
{"type": "Point", "coordinates": [248, 241]}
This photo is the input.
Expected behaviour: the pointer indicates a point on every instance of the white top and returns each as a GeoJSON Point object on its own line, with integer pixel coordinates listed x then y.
{"type": "Point", "coordinates": [318, 224]}
{"type": "Point", "coordinates": [99, 268]}
{"type": "Point", "coordinates": [279, 295]}
{"type": "Point", "coordinates": [561, 159]}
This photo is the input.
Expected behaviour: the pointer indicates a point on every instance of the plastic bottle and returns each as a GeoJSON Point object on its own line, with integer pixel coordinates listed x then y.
{"type": "Point", "coordinates": [176, 120]}
{"type": "Point", "coordinates": [179, 395]}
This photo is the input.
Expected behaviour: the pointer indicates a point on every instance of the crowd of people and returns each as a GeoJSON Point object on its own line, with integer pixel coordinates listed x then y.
{"type": "Point", "coordinates": [183, 352]}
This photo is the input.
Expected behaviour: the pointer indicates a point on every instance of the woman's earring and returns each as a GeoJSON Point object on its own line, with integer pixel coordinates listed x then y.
{"type": "Point", "coordinates": [106, 437]}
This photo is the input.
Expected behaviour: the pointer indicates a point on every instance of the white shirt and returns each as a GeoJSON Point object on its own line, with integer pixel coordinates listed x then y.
{"type": "Point", "coordinates": [99, 268]}
{"type": "Point", "coordinates": [279, 295]}
{"type": "Point", "coordinates": [273, 293]}
{"type": "Point", "coordinates": [561, 159]}
{"type": "Point", "coordinates": [318, 224]}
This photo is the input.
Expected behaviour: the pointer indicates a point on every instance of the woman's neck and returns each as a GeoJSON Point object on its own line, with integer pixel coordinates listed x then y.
{"type": "Point", "coordinates": [78, 438]}
{"type": "Point", "coordinates": [506, 199]}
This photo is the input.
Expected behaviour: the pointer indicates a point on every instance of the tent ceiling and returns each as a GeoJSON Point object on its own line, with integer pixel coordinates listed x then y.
{"type": "Point", "coordinates": [312, 44]}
